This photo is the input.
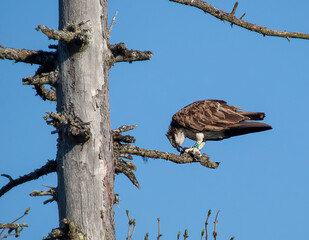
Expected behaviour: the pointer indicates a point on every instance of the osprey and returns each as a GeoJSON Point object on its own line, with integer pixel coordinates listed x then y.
{"type": "Point", "coordinates": [211, 120]}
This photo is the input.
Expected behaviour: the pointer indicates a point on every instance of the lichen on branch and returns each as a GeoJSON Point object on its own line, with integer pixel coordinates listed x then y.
{"type": "Point", "coordinates": [43, 58]}
{"type": "Point", "coordinates": [73, 34]}
{"type": "Point", "coordinates": [122, 54]}
{"type": "Point", "coordinates": [42, 78]}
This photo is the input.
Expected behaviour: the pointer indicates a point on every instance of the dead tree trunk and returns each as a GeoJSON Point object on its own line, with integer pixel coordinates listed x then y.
{"type": "Point", "coordinates": [85, 161]}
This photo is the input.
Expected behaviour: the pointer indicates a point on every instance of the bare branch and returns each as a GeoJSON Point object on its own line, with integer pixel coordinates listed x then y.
{"type": "Point", "coordinates": [43, 78]}
{"type": "Point", "coordinates": [122, 54]}
{"type": "Point", "coordinates": [111, 26]}
{"type": "Point", "coordinates": [206, 224]}
{"type": "Point", "coordinates": [185, 235]}
{"type": "Point", "coordinates": [29, 56]}
{"type": "Point", "coordinates": [146, 236]}
{"type": "Point", "coordinates": [127, 168]}
{"type": "Point", "coordinates": [51, 192]}
{"type": "Point", "coordinates": [45, 94]}
{"type": "Point", "coordinates": [234, 9]}
{"type": "Point", "coordinates": [49, 167]}
{"type": "Point", "coordinates": [124, 128]}
{"type": "Point", "coordinates": [131, 222]}
{"type": "Point", "coordinates": [184, 158]}
{"type": "Point", "coordinates": [202, 233]}
{"type": "Point", "coordinates": [73, 34]}
{"type": "Point", "coordinates": [215, 226]}
{"type": "Point", "coordinates": [224, 16]}
{"type": "Point", "coordinates": [159, 234]}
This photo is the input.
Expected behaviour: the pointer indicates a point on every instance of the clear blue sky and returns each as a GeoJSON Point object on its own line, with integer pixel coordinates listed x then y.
{"type": "Point", "coordinates": [261, 186]}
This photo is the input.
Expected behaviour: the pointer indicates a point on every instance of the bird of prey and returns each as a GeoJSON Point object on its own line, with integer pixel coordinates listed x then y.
{"type": "Point", "coordinates": [211, 120]}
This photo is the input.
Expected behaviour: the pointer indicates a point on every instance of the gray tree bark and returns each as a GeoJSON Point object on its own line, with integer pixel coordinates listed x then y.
{"type": "Point", "coordinates": [86, 170]}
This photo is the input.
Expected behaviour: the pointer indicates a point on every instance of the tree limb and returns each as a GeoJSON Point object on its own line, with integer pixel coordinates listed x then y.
{"type": "Point", "coordinates": [49, 167]}
{"type": "Point", "coordinates": [124, 128]}
{"type": "Point", "coordinates": [127, 168]}
{"type": "Point", "coordinates": [72, 34]}
{"type": "Point", "coordinates": [122, 54]}
{"type": "Point", "coordinates": [123, 148]}
{"type": "Point", "coordinates": [51, 192]}
{"type": "Point", "coordinates": [180, 159]}
{"type": "Point", "coordinates": [43, 78]}
{"type": "Point", "coordinates": [47, 59]}
{"type": "Point", "coordinates": [230, 17]}
{"type": "Point", "coordinates": [45, 94]}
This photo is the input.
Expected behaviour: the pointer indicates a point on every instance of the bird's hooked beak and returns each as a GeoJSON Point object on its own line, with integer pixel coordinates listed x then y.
{"type": "Point", "coordinates": [173, 143]}
{"type": "Point", "coordinates": [179, 148]}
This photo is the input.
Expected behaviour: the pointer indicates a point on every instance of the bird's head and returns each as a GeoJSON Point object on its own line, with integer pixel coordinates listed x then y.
{"type": "Point", "coordinates": [171, 137]}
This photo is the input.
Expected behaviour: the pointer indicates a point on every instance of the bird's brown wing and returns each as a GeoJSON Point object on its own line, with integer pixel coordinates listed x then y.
{"type": "Point", "coordinates": [208, 115]}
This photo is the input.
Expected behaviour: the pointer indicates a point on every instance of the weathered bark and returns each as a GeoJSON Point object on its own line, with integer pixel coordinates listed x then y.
{"type": "Point", "coordinates": [86, 169]}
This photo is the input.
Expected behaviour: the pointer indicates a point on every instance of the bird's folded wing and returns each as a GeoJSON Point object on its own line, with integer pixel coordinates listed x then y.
{"type": "Point", "coordinates": [208, 115]}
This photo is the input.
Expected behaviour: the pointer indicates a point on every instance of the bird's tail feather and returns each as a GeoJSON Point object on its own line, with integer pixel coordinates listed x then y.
{"type": "Point", "coordinates": [254, 115]}
{"type": "Point", "coordinates": [246, 127]}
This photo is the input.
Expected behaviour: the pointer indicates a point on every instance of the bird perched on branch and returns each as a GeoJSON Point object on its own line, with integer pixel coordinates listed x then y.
{"type": "Point", "coordinates": [211, 120]}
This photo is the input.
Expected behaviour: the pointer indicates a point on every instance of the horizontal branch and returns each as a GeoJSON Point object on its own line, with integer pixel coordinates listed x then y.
{"type": "Point", "coordinates": [51, 192]}
{"type": "Point", "coordinates": [124, 128]}
{"type": "Point", "coordinates": [180, 159]}
{"type": "Point", "coordinates": [122, 54]}
{"type": "Point", "coordinates": [230, 17]}
{"type": "Point", "coordinates": [49, 167]}
{"type": "Point", "coordinates": [43, 78]}
{"type": "Point", "coordinates": [47, 59]}
{"type": "Point", "coordinates": [73, 34]}
{"type": "Point", "coordinates": [13, 225]}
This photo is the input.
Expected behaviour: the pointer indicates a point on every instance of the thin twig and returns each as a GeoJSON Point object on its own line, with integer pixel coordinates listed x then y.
{"type": "Point", "coordinates": [234, 9]}
{"type": "Point", "coordinates": [185, 235]}
{"type": "Point", "coordinates": [202, 233]}
{"type": "Point", "coordinates": [14, 226]}
{"type": "Point", "coordinates": [134, 225]}
{"type": "Point", "coordinates": [51, 192]}
{"type": "Point", "coordinates": [130, 224]}
{"type": "Point", "coordinates": [242, 16]}
{"type": "Point", "coordinates": [112, 24]}
{"type": "Point", "coordinates": [206, 224]}
{"type": "Point", "coordinates": [146, 236]}
{"type": "Point", "coordinates": [159, 234]}
{"type": "Point", "coordinates": [215, 226]}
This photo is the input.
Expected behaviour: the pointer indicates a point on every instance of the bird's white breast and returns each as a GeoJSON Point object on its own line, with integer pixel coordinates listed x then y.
{"type": "Point", "coordinates": [203, 136]}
